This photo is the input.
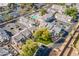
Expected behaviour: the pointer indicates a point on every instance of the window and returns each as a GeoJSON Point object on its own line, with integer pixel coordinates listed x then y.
{"type": "Point", "coordinates": [20, 28]}
{"type": "Point", "coordinates": [12, 28]}
{"type": "Point", "coordinates": [17, 26]}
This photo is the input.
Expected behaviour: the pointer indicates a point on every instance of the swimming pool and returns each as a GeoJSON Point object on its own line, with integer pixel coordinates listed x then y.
{"type": "Point", "coordinates": [34, 17]}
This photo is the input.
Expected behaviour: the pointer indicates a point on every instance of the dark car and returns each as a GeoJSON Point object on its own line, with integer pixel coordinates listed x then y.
{"type": "Point", "coordinates": [50, 19]}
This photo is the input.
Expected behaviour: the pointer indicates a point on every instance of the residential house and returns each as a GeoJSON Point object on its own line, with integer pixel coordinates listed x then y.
{"type": "Point", "coordinates": [48, 17]}
{"type": "Point", "coordinates": [14, 27]}
{"type": "Point", "coordinates": [4, 37]}
{"type": "Point", "coordinates": [58, 8]}
{"type": "Point", "coordinates": [14, 14]}
{"type": "Point", "coordinates": [38, 5]}
{"type": "Point", "coordinates": [63, 18]}
{"type": "Point", "coordinates": [19, 38]}
{"type": "Point", "coordinates": [56, 29]}
{"type": "Point", "coordinates": [24, 21]}
{"type": "Point", "coordinates": [4, 52]}
{"type": "Point", "coordinates": [3, 7]}
{"type": "Point", "coordinates": [29, 23]}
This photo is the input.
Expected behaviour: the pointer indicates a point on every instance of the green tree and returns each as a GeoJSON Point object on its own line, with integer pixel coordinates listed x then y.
{"type": "Point", "coordinates": [30, 4]}
{"type": "Point", "coordinates": [7, 17]}
{"type": "Point", "coordinates": [29, 48]}
{"type": "Point", "coordinates": [62, 4]}
{"type": "Point", "coordinates": [42, 35]}
{"type": "Point", "coordinates": [22, 11]}
{"type": "Point", "coordinates": [12, 5]}
{"type": "Point", "coordinates": [42, 11]}
{"type": "Point", "coordinates": [22, 5]}
{"type": "Point", "coordinates": [72, 11]}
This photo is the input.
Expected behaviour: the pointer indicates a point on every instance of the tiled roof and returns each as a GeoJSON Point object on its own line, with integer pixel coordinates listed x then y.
{"type": "Point", "coordinates": [3, 35]}
{"type": "Point", "coordinates": [4, 51]}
